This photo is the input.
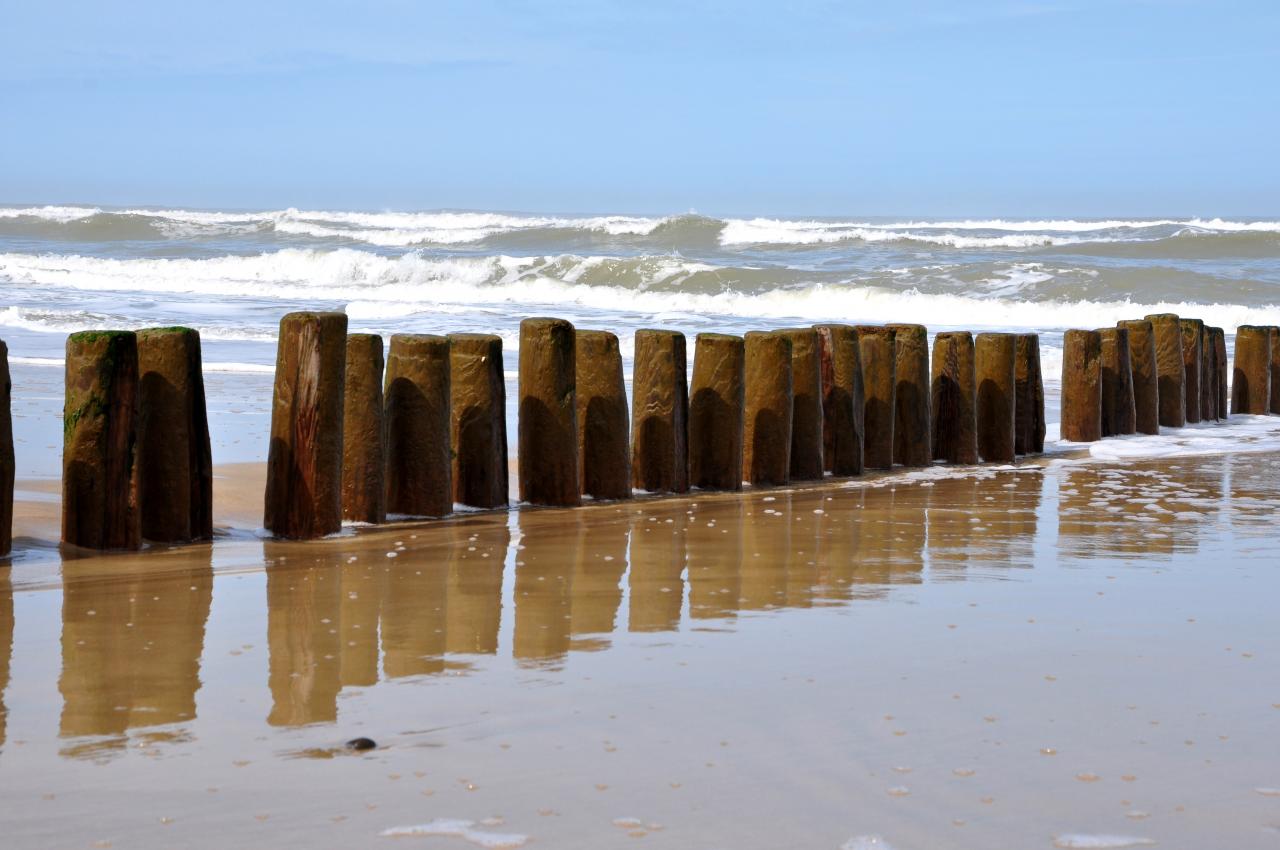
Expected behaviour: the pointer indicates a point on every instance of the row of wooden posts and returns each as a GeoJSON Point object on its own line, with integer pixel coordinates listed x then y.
{"type": "Point", "coordinates": [357, 439]}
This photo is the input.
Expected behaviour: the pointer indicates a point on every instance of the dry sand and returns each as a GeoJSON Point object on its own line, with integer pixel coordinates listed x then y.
{"type": "Point", "coordinates": [1068, 652]}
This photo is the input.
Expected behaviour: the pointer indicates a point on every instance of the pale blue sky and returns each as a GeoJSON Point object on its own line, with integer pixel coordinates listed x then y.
{"type": "Point", "coordinates": [1077, 107]}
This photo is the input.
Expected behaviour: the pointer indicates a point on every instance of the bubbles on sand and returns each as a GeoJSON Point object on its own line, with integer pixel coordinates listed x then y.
{"type": "Point", "coordinates": [866, 842]}
{"type": "Point", "coordinates": [453, 828]}
{"type": "Point", "coordinates": [1082, 841]}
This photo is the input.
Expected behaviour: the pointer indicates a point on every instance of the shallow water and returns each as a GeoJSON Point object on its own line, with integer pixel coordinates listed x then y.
{"type": "Point", "coordinates": [1076, 653]}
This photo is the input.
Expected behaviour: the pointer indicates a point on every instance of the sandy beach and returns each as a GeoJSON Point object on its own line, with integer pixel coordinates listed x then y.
{"type": "Point", "coordinates": [1075, 652]}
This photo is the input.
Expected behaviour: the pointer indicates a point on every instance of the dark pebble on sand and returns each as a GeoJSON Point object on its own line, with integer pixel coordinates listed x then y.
{"type": "Point", "coordinates": [361, 744]}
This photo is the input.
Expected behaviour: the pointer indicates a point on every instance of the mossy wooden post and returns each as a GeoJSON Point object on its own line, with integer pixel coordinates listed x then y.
{"type": "Point", "coordinates": [1223, 366]}
{"type": "Point", "coordinates": [842, 399]}
{"type": "Point", "coordinates": [806, 404]}
{"type": "Point", "coordinates": [604, 425]}
{"type": "Point", "coordinates": [911, 420]}
{"type": "Point", "coordinates": [1082, 385]}
{"type": "Point", "coordinates": [478, 420]}
{"type": "Point", "coordinates": [99, 441]}
{"type": "Point", "coordinates": [1170, 369]}
{"type": "Point", "coordinates": [548, 429]}
{"type": "Point", "coordinates": [1251, 375]}
{"type": "Point", "coordinates": [304, 460]}
{"type": "Point", "coordinates": [175, 464]}
{"type": "Point", "coordinates": [1275, 369]}
{"type": "Point", "coordinates": [1029, 404]}
{"type": "Point", "coordinates": [419, 469]}
{"type": "Point", "coordinates": [660, 413]}
{"type": "Point", "coordinates": [7, 465]}
{"type": "Point", "coordinates": [1146, 379]}
{"type": "Point", "coordinates": [953, 398]}
{"type": "Point", "coordinates": [994, 357]}
{"type": "Point", "coordinates": [879, 383]}
{"type": "Point", "coordinates": [364, 492]}
{"type": "Point", "coordinates": [768, 405]}
{"type": "Point", "coordinates": [1191, 357]}
{"type": "Point", "coordinates": [1208, 375]}
{"type": "Point", "coordinates": [716, 412]}
{"type": "Point", "coordinates": [1119, 411]}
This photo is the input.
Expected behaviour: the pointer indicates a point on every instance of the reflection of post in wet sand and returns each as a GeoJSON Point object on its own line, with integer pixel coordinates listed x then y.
{"type": "Point", "coordinates": [414, 605]}
{"type": "Point", "coordinates": [656, 583]}
{"type": "Point", "coordinates": [990, 521]}
{"type": "Point", "coordinates": [131, 647]}
{"type": "Point", "coordinates": [474, 593]}
{"type": "Point", "coordinates": [544, 564]}
{"type": "Point", "coordinates": [713, 551]}
{"type": "Point", "coordinates": [303, 604]}
{"type": "Point", "coordinates": [842, 565]}
{"type": "Point", "coordinates": [595, 581]}
{"type": "Point", "coordinates": [951, 507]}
{"type": "Point", "coordinates": [893, 536]}
{"type": "Point", "coordinates": [6, 644]}
{"type": "Point", "coordinates": [766, 549]}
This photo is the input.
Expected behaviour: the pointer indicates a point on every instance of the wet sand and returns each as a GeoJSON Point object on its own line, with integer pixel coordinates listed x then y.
{"type": "Point", "coordinates": [1068, 651]}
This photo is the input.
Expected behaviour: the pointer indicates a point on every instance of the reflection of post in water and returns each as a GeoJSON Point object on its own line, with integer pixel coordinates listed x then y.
{"type": "Point", "coordinates": [839, 538]}
{"type": "Point", "coordinates": [1010, 531]}
{"type": "Point", "coordinates": [766, 549]}
{"type": "Point", "coordinates": [303, 604]}
{"type": "Point", "coordinates": [6, 644]}
{"type": "Point", "coordinates": [1106, 511]}
{"type": "Point", "coordinates": [595, 581]}
{"type": "Point", "coordinates": [360, 583]}
{"type": "Point", "coordinates": [656, 591]}
{"type": "Point", "coordinates": [543, 574]}
{"type": "Point", "coordinates": [474, 608]}
{"type": "Point", "coordinates": [414, 609]}
{"type": "Point", "coordinates": [713, 549]}
{"type": "Point", "coordinates": [802, 569]}
{"type": "Point", "coordinates": [131, 648]}
{"type": "Point", "coordinates": [951, 505]}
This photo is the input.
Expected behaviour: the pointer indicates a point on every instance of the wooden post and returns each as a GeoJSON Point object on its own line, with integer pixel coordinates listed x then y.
{"type": "Point", "coordinates": [1082, 386]}
{"type": "Point", "coordinates": [911, 420]}
{"type": "Point", "coordinates": [363, 453]}
{"type": "Point", "coordinates": [1029, 406]}
{"type": "Point", "coordinates": [1119, 411]}
{"type": "Point", "coordinates": [1251, 377]}
{"type": "Point", "coordinates": [716, 412]}
{"type": "Point", "coordinates": [994, 355]}
{"type": "Point", "coordinates": [1275, 369]}
{"type": "Point", "coordinates": [1208, 376]}
{"type": "Point", "coordinates": [548, 429]}
{"type": "Point", "coordinates": [660, 414]}
{"type": "Point", "coordinates": [478, 420]}
{"type": "Point", "coordinates": [1170, 369]}
{"type": "Point", "coordinates": [806, 404]}
{"type": "Point", "coordinates": [304, 461]}
{"type": "Point", "coordinates": [7, 466]}
{"type": "Point", "coordinates": [175, 465]}
{"type": "Point", "coordinates": [604, 426]}
{"type": "Point", "coordinates": [879, 383]}
{"type": "Point", "coordinates": [842, 399]}
{"type": "Point", "coordinates": [99, 450]}
{"type": "Point", "coordinates": [1146, 379]}
{"type": "Point", "coordinates": [954, 398]}
{"type": "Point", "coordinates": [1223, 366]}
{"type": "Point", "coordinates": [1192, 354]}
{"type": "Point", "coordinates": [419, 471]}
{"type": "Point", "coordinates": [766, 439]}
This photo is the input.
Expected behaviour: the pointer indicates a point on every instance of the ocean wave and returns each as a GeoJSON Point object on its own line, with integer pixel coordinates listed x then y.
{"type": "Point", "coordinates": [380, 287]}
{"type": "Point", "coordinates": [44, 320]}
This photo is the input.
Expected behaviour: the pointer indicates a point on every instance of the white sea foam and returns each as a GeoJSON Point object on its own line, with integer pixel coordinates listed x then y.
{"type": "Point", "coordinates": [1240, 433]}
{"type": "Point", "coordinates": [1081, 841]}
{"type": "Point", "coordinates": [62, 215]}
{"type": "Point", "coordinates": [455, 828]}
{"type": "Point", "coordinates": [866, 842]}
{"type": "Point", "coordinates": [766, 231]}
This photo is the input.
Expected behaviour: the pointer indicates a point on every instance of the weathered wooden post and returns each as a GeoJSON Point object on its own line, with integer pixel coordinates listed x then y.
{"type": "Point", "coordinates": [1192, 354]}
{"type": "Point", "coordinates": [419, 471]}
{"type": "Point", "coordinates": [911, 420]}
{"type": "Point", "coordinates": [994, 356]}
{"type": "Point", "coordinates": [1223, 367]}
{"type": "Point", "coordinates": [548, 429]}
{"type": "Point", "coordinates": [716, 412]}
{"type": "Point", "coordinates": [954, 398]}
{"type": "Point", "coordinates": [175, 465]}
{"type": "Point", "coordinates": [478, 420]}
{"type": "Point", "coordinates": [1119, 411]}
{"type": "Point", "coordinates": [766, 438]}
{"type": "Point", "coordinates": [1251, 377]}
{"type": "Point", "coordinates": [304, 460]}
{"type": "Point", "coordinates": [660, 413]}
{"type": "Point", "coordinates": [1208, 376]}
{"type": "Point", "coordinates": [604, 423]}
{"type": "Point", "coordinates": [879, 384]}
{"type": "Point", "coordinates": [1029, 405]}
{"type": "Point", "coordinates": [363, 456]}
{"type": "Point", "coordinates": [1275, 369]}
{"type": "Point", "coordinates": [7, 464]}
{"type": "Point", "coordinates": [1082, 386]}
{"type": "Point", "coordinates": [1146, 380]}
{"type": "Point", "coordinates": [806, 404]}
{"type": "Point", "coordinates": [99, 448]}
{"type": "Point", "coordinates": [842, 399]}
{"type": "Point", "coordinates": [1170, 369]}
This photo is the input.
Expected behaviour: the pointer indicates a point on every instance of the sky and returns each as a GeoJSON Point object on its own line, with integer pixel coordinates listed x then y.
{"type": "Point", "coordinates": [919, 107]}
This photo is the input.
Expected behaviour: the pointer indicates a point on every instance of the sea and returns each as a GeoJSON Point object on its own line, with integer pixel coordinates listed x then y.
{"type": "Point", "coordinates": [233, 274]}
